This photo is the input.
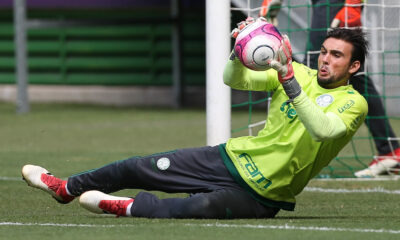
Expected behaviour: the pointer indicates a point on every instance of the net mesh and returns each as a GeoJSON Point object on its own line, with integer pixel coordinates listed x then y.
{"type": "Point", "coordinates": [381, 22]}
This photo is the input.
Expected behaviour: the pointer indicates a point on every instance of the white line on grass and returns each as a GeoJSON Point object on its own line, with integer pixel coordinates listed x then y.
{"type": "Point", "coordinates": [366, 179]}
{"type": "Point", "coordinates": [343, 190]}
{"type": "Point", "coordinates": [306, 189]}
{"type": "Point", "coordinates": [216, 225]}
{"type": "Point", "coordinates": [10, 178]}
{"type": "Point", "coordinates": [376, 179]}
{"type": "Point", "coordinates": [288, 227]}
{"type": "Point", "coordinates": [55, 224]}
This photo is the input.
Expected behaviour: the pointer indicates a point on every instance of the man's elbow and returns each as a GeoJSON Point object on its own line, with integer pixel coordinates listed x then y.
{"type": "Point", "coordinates": [319, 137]}
{"type": "Point", "coordinates": [326, 135]}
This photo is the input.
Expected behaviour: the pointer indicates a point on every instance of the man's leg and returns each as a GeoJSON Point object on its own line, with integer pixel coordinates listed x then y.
{"type": "Point", "coordinates": [380, 129]}
{"type": "Point", "coordinates": [323, 12]}
{"type": "Point", "coordinates": [185, 170]}
{"type": "Point", "coordinates": [219, 204]}
{"type": "Point", "coordinates": [377, 120]}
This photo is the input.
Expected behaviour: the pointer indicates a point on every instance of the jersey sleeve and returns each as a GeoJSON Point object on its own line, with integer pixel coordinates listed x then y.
{"type": "Point", "coordinates": [352, 110]}
{"type": "Point", "coordinates": [239, 77]}
{"type": "Point", "coordinates": [321, 126]}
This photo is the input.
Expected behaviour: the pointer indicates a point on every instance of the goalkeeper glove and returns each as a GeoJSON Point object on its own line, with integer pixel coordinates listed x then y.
{"type": "Point", "coordinates": [348, 14]}
{"type": "Point", "coordinates": [270, 9]}
{"type": "Point", "coordinates": [235, 32]}
{"type": "Point", "coordinates": [283, 63]}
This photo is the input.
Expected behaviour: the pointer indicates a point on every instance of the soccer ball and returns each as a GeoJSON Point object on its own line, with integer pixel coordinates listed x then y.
{"type": "Point", "coordinates": [256, 43]}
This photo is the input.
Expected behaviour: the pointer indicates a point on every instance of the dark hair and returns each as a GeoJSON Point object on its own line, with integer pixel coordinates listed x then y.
{"type": "Point", "coordinates": [354, 36]}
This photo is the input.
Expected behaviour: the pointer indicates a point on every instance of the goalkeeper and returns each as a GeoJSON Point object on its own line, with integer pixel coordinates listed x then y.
{"type": "Point", "coordinates": [313, 115]}
{"type": "Point", "coordinates": [332, 13]}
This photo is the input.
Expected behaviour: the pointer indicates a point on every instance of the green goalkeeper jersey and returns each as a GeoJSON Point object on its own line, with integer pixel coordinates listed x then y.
{"type": "Point", "coordinates": [278, 163]}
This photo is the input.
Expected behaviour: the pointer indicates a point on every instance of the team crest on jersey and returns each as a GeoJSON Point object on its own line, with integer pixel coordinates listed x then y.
{"type": "Point", "coordinates": [324, 100]}
{"type": "Point", "coordinates": [163, 163]}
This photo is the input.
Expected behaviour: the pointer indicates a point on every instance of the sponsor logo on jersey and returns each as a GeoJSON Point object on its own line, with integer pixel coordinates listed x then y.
{"type": "Point", "coordinates": [253, 173]}
{"type": "Point", "coordinates": [289, 110]}
{"type": "Point", "coordinates": [324, 100]}
{"type": "Point", "coordinates": [346, 106]}
{"type": "Point", "coordinates": [354, 124]}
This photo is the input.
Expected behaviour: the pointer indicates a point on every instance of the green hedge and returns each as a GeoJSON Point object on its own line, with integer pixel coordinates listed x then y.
{"type": "Point", "coordinates": [132, 47]}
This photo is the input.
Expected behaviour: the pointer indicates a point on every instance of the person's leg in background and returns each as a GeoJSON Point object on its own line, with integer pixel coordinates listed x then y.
{"type": "Point", "coordinates": [323, 11]}
{"type": "Point", "coordinates": [380, 129]}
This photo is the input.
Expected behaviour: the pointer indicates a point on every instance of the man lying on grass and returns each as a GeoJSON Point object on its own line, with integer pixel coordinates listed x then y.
{"type": "Point", "coordinates": [313, 115]}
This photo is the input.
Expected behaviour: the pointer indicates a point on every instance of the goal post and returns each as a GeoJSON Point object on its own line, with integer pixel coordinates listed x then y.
{"type": "Point", "coordinates": [218, 95]}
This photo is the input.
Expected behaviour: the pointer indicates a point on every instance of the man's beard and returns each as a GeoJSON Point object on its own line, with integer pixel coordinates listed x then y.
{"type": "Point", "coordinates": [332, 80]}
{"type": "Point", "coordinates": [325, 82]}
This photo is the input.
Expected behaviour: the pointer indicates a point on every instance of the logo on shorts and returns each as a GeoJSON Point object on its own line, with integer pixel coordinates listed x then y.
{"type": "Point", "coordinates": [163, 163]}
{"type": "Point", "coordinates": [324, 100]}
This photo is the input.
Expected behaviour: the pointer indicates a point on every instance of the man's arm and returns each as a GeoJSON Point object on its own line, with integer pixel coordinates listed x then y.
{"type": "Point", "coordinates": [270, 10]}
{"type": "Point", "coordinates": [239, 77]}
{"type": "Point", "coordinates": [349, 15]}
{"type": "Point", "coordinates": [321, 126]}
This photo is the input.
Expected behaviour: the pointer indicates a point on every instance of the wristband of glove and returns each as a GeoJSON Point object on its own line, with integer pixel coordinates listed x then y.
{"type": "Point", "coordinates": [292, 88]}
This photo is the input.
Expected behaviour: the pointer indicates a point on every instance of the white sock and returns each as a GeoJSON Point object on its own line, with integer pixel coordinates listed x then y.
{"type": "Point", "coordinates": [66, 189]}
{"type": "Point", "coordinates": [128, 210]}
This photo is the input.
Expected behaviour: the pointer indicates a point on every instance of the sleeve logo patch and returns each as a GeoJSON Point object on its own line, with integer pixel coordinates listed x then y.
{"type": "Point", "coordinates": [346, 106]}
{"type": "Point", "coordinates": [324, 100]}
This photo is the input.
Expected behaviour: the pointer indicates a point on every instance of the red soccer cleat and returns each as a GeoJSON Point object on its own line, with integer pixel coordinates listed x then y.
{"type": "Point", "coordinates": [39, 177]}
{"type": "Point", "coordinates": [98, 202]}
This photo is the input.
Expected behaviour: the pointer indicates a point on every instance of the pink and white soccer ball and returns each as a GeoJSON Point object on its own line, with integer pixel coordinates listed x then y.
{"type": "Point", "coordinates": [256, 44]}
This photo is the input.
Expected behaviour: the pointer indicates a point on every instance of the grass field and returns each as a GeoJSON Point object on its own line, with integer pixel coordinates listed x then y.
{"type": "Point", "coordinates": [67, 139]}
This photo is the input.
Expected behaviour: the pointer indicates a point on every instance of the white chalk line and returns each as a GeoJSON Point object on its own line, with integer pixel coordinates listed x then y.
{"type": "Point", "coordinates": [215, 225]}
{"type": "Point", "coordinates": [344, 190]}
{"type": "Point", "coordinates": [10, 178]}
{"type": "Point", "coordinates": [58, 225]}
{"type": "Point", "coordinates": [304, 228]}
{"type": "Point", "coordinates": [363, 179]}
{"type": "Point", "coordinates": [306, 189]}
{"type": "Point", "coordinates": [376, 179]}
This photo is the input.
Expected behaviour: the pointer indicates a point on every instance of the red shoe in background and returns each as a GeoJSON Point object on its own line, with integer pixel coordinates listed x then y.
{"type": "Point", "coordinates": [382, 164]}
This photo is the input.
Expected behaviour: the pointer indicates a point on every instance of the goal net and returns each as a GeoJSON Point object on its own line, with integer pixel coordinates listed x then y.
{"type": "Point", "coordinates": [381, 22]}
